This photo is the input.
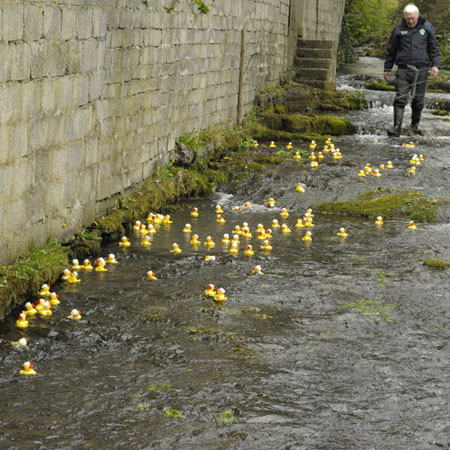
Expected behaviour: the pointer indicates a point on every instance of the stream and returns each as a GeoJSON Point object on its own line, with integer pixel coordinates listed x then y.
{"type": "Point", "coordinates": [340, 344]}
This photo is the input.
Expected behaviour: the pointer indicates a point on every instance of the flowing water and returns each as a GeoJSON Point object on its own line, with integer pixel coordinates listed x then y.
{"type": "Point", "coordinates": [339, 345]}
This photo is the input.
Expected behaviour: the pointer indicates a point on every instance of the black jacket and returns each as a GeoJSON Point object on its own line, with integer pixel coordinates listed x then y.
{"type": "Point", "coordinates": [416, 46]}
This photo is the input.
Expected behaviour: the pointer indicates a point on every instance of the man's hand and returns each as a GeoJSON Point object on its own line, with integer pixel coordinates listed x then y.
{"type": "Point", "coordinates": [387, 76]}
{"type": "Point", "coordinates": [434, 71]}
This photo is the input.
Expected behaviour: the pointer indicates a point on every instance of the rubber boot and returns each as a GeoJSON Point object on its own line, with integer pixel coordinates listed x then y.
{"type": "Point", "coordinates": [398, 120]}
{"type": "Point", "coordinates": [415, 120]}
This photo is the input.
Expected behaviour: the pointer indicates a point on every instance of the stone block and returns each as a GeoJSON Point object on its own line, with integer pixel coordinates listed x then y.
{"type": "Point", "coordinates": [69, 25]}
{"type": "Point", "coordinates": [23, 178]}
{"type": "Point", "coordinates": [76, 158]}
{"type": "Point", "coordinates": [13, 22]}
{"type": "Point", "coordinates": [99, 17]}
{"type": "Point", "coordinates": [89, 55]}
{"type": "Point", "coordinates": [95, 89]}
{"type": "Point", "coordinates": [58, 162]}
{"type": "Point", "coordinates": [65, 99]}
{"type": "Point", "coordinates": [33, 18]}
{"type": "Point", "coordinates": [85, 23]}
{"type": "Point", "coordinates": [90, 152]}
{"type": "Point", "coordinates": [81, 87]}
{"type": "Point", "coordinates": [6, 181]}
{"type": "Point", "coordinates": [49, 87]}
{"type": "Point", "coordinates": [11, 102]}
{"type": "Point", "coordinates": [17, 140]}
{"type": "Point", "coordinates": [19, 61]}
{"type": "Point", "coordinates": [56, 135]}
{"type": "Point", "coordinates": [48, 59]}
{"type": "Point", "coordinates": [74, 52]}
{"type": "Point", "coordinates": [38, 134]}
{"type": "Point", "coordinates": [52, 23]}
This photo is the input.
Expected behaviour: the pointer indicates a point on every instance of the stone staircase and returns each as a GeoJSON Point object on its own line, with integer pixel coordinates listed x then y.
{"type": "Point", "coordinates": [315, 63]}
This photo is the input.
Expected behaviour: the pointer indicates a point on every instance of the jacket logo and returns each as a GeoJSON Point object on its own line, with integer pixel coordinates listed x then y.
{"type": "Point", "coordinates": [404, 33]}
{"type": "Point", "coordinates": [422, 31]}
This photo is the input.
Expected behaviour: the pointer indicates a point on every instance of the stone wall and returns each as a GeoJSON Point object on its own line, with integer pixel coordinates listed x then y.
{"type": "Point", "coordinates": [93, 93]}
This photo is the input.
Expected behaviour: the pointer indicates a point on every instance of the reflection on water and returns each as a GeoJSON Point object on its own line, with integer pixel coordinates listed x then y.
{"type": "Point", "coordinates": [340, 344]}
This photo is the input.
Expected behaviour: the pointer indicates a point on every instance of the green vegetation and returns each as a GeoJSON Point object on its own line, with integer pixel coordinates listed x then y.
{"type": "Point", "coordinates": [173, 413]}
{"type": "Point", "coordinates": [369, 308]}
{"type": "Point", "coordinates": [388, 203]}
{"type": "Point", "coordinates": [196, 5]}
{"type": "Point", "coordinates": [436, 264]}
{"type": "Point", "coordinates": [440, 112]}
{"type": "Point", "coordinates": [159, 387]}
{"type": "Point", "coordinates": [225, 417]}
{"type": "Point", "coordinates": [380, 85]}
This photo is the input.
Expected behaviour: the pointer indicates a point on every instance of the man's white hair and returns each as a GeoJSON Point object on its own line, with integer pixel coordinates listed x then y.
{"type": "Point", "coordinates": [411, 9]}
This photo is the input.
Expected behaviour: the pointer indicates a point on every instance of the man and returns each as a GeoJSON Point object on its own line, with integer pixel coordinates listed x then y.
{"type": "Point", "coordinates": [413, 47]}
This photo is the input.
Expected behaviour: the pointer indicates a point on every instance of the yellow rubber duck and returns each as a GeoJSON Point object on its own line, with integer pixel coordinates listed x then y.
{"type": "Point", "coordinates": [22, 321]}
{"type": "Point", "coordinates": [255, 144]}
{"type": "Point", "coordinates": [266, 245]}
{"type": "Point", "coordinates": [54, 299]}
{"type": "Point", "coordinates": [194, 212]}
{"type": "Point", "coordinates": [195, 240]}
{"type": "Point", "coordinates": [65, 275]}
{"type": "Point", "coordinates": [167, 220]}
{"type": "Point", "coordinates": [409, 144]}
{"type": "Point", "coordinates": [249, 251]}
{"type": "Point", "coordinates": [74, 278]}
{"type": "Point", "coordinates": [137, 225]}
{"type": "Point", "coordinates": [261, 236]}
{"type": "Point", "coordinates": [30, 310]}
{"type": "Point", "coordinates": [46, 311]}
{"type": "Point", "coordinates": [220, 295]}
{"type": "Point", "coordinates": [368, 168]}
{"type": "Point", "coordinates": [158, 219]}
{"type": "Point", "coordinates": [297, 155]}
{"type": "Point", "coordinates": [381, 167]}
{"type": "Point", "coordinates": [149, 218]}
{"type": "Point", "coordinates": [235, 238]}
{"type": "Point", "coordinates": [75, 314]}
{"type": "Point", "coordinates": [246, 205]}
{"type": "Point", "coordinates": [111, 259]}
{"type": "Point", "coordinates": [209, 291]}
{"type": "Point", "coordinates": [209, 243]}
{"type": "Point", "coordinates": [299, 223]}
{"type": "Point", "coordinates": [237, 229]}
{"type": "Point", "coordinates": [272, 144]}
{"type": "Point", "coordinates": [328, 141]}
{"type": "Point", "coordinates": [45, 291]}
{"type": "Point", "coordinates": [124, 242]}
{"type": "Point", "coordinates": [143, 231]}
{"type": "Point", "coordinates": [146, 242]}
{"type": "Point", "coordinates": [337, 154]}
{"type": "Point", "coordinates": [300, 188]}
{"type": "Point", "coordinates": [285, 229]}
{"type": "Point", "coordinates": [313, 145]}
{"type": "Point", "coordinates": [289, 145]}
{"type": "Point", "coordinates": [100, 265]}
{"type": "Point", "coordinates": [320, 155]}
{"type": "Point", "coordinates": [257, 270]}
{"type": "Point", "coordinates": [21, 343]}
{"type": "Point", "coordinates": [234, 249]}
{"type": "Point", "coordinates": [275, 224]}
{"type": "Point", "coordinates": [308, 222]}
{"type": "Point", "coordinates": [28, 369]}
{"type": "Point", "coordinates": [312, 156]}
{"type": "Point", "coordinates": [361, 173]}
{"type": "Point", "coordinates": [151, 275]}
{"type": "Point", "coordinates": [307, 237]}
{"type": "Point", "coordinates": [87, 265]}
{"type": "Point", "coordinates": [389, 165]}
{"type": "Point", "coordinates": [210, 258]}
{"type": "Point", "coordinates": [175, 248]}
{"type": "Point", "coordinates": [226, 239]}
{"type": "Point", "coordinates": [421, 157]}
{"type": "Point", "coordinates": [412, 225]}
{"type": "Point", "coordinates": [39, 305]}
{"type": "Point", "coordinates": [284, 213]}
{"type": "Point", "coordinates": [187, 228]}
{"type": "Point", "coordinates": [325, 149]}
{"type": "Point", "coordinates": [151, 229]}
{"type": "Point", "coordinates": [220, 219]}
{"type": "Point", "coordinates": [271, 202]}
{"type": "Point", "coordinates": [412, 170]}
{"type": "Point", "coordinates": [75, 266]}
{"type": "Point", "coordinates": [342, 233]}
{"type": "Point", "coordinates": [376, 173]}
{"type": "Point", "coordinates": [379, 221]}
{"type": "Point", "coordinates": [309, 213]}
{"type": "Point", "coordinates": [246, 233]}
{"type": "Point", "coordinates": [314, 164]}
{"type": "Point", "coordinates": [219, 209]}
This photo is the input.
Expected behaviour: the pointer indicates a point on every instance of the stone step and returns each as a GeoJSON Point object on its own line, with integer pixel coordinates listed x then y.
{"type": "Point", "coordinates": [314, 53]}
{"type": "Point", "coordinates": [312, 63]}
{"type": "Point", "coordinates": [309, 43]}
{"type": "Point", "coordinates": [313, 74]}
{"type": "Point", "coordinates": [317, 84]}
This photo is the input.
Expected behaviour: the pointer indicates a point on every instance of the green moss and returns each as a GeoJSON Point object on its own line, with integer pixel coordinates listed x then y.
{"type": "Point", "coordinates": [24, 277]}
{"type": "Point", "coordinates": [86, 243]}
{"type": "Point", "coordinates": [369, 308]}
{"type": "Point", "coordinates": [440, 85]}
{"type": "Point", "coordinates": [440, 112]}
{"type": "Point", "coordinates": [388, 203]}
{"type": "Point", "coordinates": [380, 85]}
{"type": "Point", "coordinates": [436, 264]}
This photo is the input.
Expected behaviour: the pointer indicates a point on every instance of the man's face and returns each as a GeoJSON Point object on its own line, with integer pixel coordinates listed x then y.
{"type": "Point", "coordinates": [411, 19]}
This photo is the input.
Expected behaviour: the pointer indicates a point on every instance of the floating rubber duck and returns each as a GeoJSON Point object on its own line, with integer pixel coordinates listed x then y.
{"type": "Point", "coordinates": [314, 164]}
{"type": "Point", "coordinates": [124, 242]}
{"type": "Point", "coordinates": [151, 229]}
{"type": "Point", "coordinates": [159, 218]}
{"type": "Point", "coordinates": [409, 145]}
{"type": "Point", "coordinates": [361, 173]}
{"type": "Point", "coordinates": [209, 243]}
{"type": "Point", "coordinates": [219, 209]}
{"type": "Point", "coordinates": [268, 233]}
{"type": "Point", "coordinates": [337, 154]}
{"type": "Point", "coordinates": [87, 265]}
{"type": "Point", "coordinates": [299, 223]}
{"type": "Point", "coordinates": [284, 213]}
{"type": "Point", "coordinates": [194, 212]}
{"type": "Point", "coordinates": [74, 278]}
{"type": "Point", "coordinates": [112, 258]}
{"type": "Point", "coordinates": [237, 208]}
{"type": "Point", "coordinates": [275, 224]}
{"type": "Point", "coordinates": [151, 275]}
{"type": "Point", "coordinates": [22, 321]}
{"type": "Point", "coordinates": [30, 310]}
{"type": "Point", "coordinates": [75, 266]}
{"type": "Point", "coordinates": [210, 258]}
{"type": "Point", "coordinates": [342, 233]}
{"type": "Point", "coordinates": [262, 235]}
{"type": "Point", "coordinates": [237, 229]}
{"type": "Point", "coordinates": [195, 240]}
{"type": "Point", "coordinates": [226, 239]}
{"type": "Point", "coordinates": [271, 202]}
{"type": "Point", "coordinates": [187, 228]}
{"type": "Point", "coordinates": [75, 314]}
{"type": "Point", "coordinates": [246, 205]}
{"type": "Point", "coordinates": [54, 299]}
{"type": "Point", "coordinates": [21, 343]}
{"type": "Point", "coordinates": [220, 295]}
{"type": "Point", "coordinates": [46, 311]}
{"type": "Point", "coordinates": [313, 145]}
{"type": "Point", "coordinates": [40, 304]}
{"type": "Point", "coordinates": [220, 219]}
{"type": "Point", "coordinates": [421, 157]}
{"type": "Point", "coordinates": [309, 213]}
{"type": "Point", "coordinates": [368, 168]}
{"type": "Point", "coordinates": [266, 245]}
{"type": "Point", "coordinates": [376, 173]}
{"type": "Point", "coordinates": [297, 156]}
{"type": "Point", "coordinates": [100, 265]}
{"type": "Point", "coordinates": [300, 188]}
{"type": "Point", "coordinates": [328, 141]}
{"type": "Point", "coordinates": [259, 228]}
{"type": "Point", "coordinates": [146, 242]}
{"type": "Point", "coordinates": [175, 248]}
{"type": "Point", "coordinates": [389, 165]}
{"type": "Point", "coordinates": [28, 369]}
{"type": "Point", "coordinates": [234, 249]}
{"type": "Point", "coordinates": [325, 149]}
{"type": "Point", "coordinates": [412, 170]}
{"type": "Point", "coordinates": [379, 221]}
{"type": "Point", "coordinates": [65, 275]}
{"type": "Point", "coordinates": [45, 291]}
{"type": "Point", "coordinates": [414, 160]}
{"type": "Point", "coordinates": [246, 233]}
{"type": "Point", "coordinates": [307, 237]}
{"type": "Point", "coordinates": [167, 220]}
{"type": "Point", "coordinates": [249, 251]}
{"type": "Point", "coordinates": [209, 291]}
{"type": "Point", "coordinates": [312, 156]}
{"type": "Point", "coordinates": [235, 238]}
{"type": "Point", "coordinates": [285, 229]}
{"type": "Point", "coordinates": [255, 144]}
{"type": "Point", "coordinates": [289, 145]}
{"type": "Point", "coordinates": [381, 167]}
{"type": "Point", "coordinates": [149, 218]}
{"type": "Point", "coordinates": [257, 270]}
{"type": "Point", "coordinates": [272, 144]}
{"type": "Point", "coordinates": [137, 225]}
{"type": "Point", "coordinates": [412, 225]}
